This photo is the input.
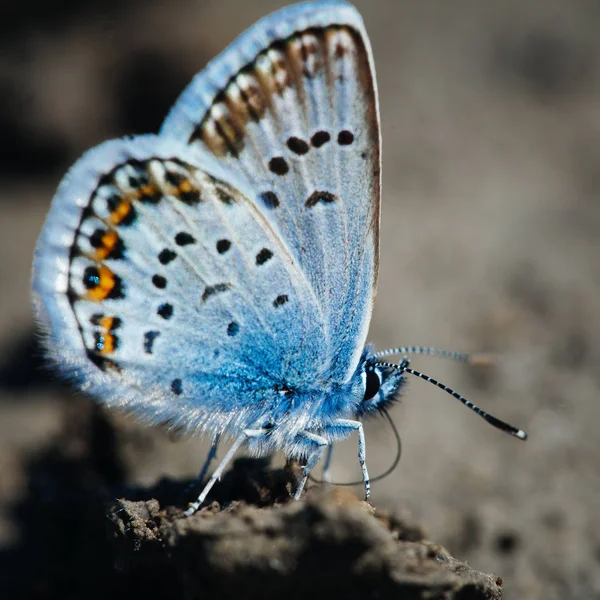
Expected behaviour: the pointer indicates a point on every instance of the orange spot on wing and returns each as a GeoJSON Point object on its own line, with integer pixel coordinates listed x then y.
{"type": "Point", "coordinates": [149, 193]}
{"type": "Point", "coordinates": [121, 212]}
{"type": "Point", "coordinates": [147, 190]}
{"type": "Point", "coordinates": [108, 242]}
{"type": "Point", "coordinates": [106, 284]}
{"type": "Point", "coordinates": [107, 323]}
{"type": "Point", "coordinates": [185, 186]}
{"type": "Point", "coordinates": [106, 341]}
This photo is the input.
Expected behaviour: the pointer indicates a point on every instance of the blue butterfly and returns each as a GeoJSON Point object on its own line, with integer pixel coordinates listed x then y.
{"type": "Point", "coordinates": [220, 276]}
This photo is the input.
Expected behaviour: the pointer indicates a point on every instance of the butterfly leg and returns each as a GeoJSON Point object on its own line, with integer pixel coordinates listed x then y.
{"type": "Point", "coordinates": [319, 444]}
{"type": "Point", "coordinates": [362, 453]}
{"type": "Point", "coordinates": [212, 454]}
{"type": "Point", "coordinates": [327, 465]}
{"type": "Point", "coordinates": [246, 434]}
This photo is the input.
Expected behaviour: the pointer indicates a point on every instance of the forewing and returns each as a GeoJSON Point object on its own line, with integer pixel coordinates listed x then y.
{"type": "Point", "coordinates": [164, 290]}
{"type": "Point", "coordinates": [292, 106]}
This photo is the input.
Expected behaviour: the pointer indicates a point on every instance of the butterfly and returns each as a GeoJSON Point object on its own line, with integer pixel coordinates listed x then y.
{"type": "Point", "coordinates": [220, 276]}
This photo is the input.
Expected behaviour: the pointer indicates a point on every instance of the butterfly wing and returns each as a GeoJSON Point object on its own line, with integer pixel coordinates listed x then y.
{"type": "Point", "coordinates": [165, 291]}
{"type": "Point", "coordinates": [292, 106]}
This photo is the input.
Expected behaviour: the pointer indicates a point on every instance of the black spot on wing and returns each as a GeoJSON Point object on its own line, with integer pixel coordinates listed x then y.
{"type": "Point", "coordinates": [159, 281]}
{"type": "Point", "coordinates": [96, 238]}
{"type": "Point", "coordinates": [136, 182]}
{"type": "Point", "coordinates": [166, 256]}
{"type": "Point", "coordinates": [263, 256]}
{"type": "Point", "coordinates": [91, 277]}
{"type": "Point", "coordinates": [225, 197]}
{"type": "Point", "coordinates": [149, 338]}
{"type": "Point", "coordinates": [320, 196]}
{"type": "Point", "coordinates": [223, 246]}
{"type": "Point", "coordinates": [211, 290]}
{"type": "Point", "coordinates": [191, 197]}
{"type": "Point", "coordinates": [106, 179]}
{"type": "Point", "coordinates": [345, 137]}
{"type": "Point", "coordinates": [96, 318]}
{"type": "Point", "coordinates": [173, 178]}
{"type": "Point", "coordinates": [280, 300]}
{"type": "Point", "coordinates": [165, 310]}
{"type": "Point", "coordinates": [177, 386]}
{"type": "Point", "coordinates": [278, 165]}
{"type": "Point", "coordinates": [270, 199]}
{"type": "Point", "coordinates": [184, 239]}
{"type": "Point", "coordinates": [320, 138]}
{"type": "Point", "coordinates": [297, 146]}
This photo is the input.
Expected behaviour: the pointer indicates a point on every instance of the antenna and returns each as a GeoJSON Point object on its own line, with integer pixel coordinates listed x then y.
{"type": "Point", "coordinates": [403, 366]}
{"type": "Point", "coordinates": [479, 359]}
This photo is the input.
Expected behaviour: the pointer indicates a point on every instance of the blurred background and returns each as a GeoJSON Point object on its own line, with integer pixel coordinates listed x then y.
{"type": "Point", "coordinates": [490, 242]}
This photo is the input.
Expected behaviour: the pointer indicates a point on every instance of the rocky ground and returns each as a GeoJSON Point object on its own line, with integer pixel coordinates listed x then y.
{"type": "Point", "coordinates": [491, 124]}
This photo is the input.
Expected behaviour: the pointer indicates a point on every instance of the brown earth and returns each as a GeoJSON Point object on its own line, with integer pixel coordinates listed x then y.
{"type": "Point", "coordinates": [491, 124]}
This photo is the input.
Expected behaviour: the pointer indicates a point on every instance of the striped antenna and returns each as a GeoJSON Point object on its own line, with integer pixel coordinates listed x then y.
{"type": "Point", "coordinates": [478, 359]}
{"type": "Point", "coordinates": [403, 366]}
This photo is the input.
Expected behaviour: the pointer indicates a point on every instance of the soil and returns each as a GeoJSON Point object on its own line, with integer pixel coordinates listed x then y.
{"type": "Point", "coordinates": [489, 242]}
{"type": "Point", "coordinates": [85, 532]}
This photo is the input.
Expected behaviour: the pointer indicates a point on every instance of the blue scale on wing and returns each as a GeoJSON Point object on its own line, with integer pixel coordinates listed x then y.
{"type": "Point", "coordinates": [291, 106]}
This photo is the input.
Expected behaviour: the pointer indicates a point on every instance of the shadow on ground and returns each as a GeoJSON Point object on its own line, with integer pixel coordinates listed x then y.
{"type": "Point", "coordinates": [85, 533]}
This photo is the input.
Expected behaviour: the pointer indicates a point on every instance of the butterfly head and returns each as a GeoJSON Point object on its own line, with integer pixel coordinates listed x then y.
{"type": "Point", "coordinates": [381, 385]}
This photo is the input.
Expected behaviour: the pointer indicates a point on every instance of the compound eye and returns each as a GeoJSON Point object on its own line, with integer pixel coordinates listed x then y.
{"type": "Point", "coordinates": [373, 383]}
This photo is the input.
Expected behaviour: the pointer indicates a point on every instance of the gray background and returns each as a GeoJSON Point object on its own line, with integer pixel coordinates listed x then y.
{"type": "Point", "coordinates": [490, 236]}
